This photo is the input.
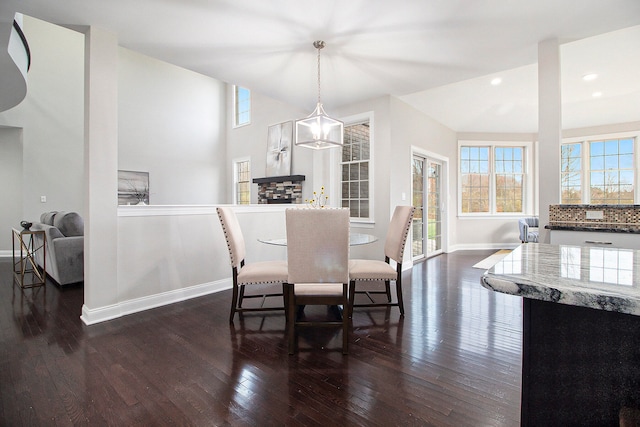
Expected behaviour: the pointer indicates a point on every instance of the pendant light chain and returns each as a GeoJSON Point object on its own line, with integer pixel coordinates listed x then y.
{"type": "Point", "coordinates": [318, 44]}
{"type": "Point", "coordinates": [319, 75]}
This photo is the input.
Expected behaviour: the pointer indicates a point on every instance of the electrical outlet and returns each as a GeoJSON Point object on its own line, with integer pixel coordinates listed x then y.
{"type": "Point", "coordinates": [43, 199]}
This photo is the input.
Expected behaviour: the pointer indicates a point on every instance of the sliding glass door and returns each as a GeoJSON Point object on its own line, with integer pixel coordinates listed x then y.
{"type": "Point", "coordinates": [427, 221]}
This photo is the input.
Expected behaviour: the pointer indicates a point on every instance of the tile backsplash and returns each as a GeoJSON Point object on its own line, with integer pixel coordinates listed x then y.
{"type": "Point", "coordinates": [596, 216]}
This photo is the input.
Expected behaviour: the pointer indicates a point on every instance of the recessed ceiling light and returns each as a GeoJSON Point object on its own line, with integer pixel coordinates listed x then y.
{"type": "Point", "coordinates": [496, 81]}
{"type": "Point", "coordinates": [596, 94]}
{"type": "Point", "coordinates": [589, 77]}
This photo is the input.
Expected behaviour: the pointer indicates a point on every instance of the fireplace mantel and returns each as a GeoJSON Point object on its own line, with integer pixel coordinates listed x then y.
{"type": "Point", "coordinates": [266, 180]}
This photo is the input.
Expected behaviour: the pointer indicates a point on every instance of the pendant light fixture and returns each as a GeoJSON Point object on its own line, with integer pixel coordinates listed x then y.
{"type": "Point", "coordinates": [318, 130]}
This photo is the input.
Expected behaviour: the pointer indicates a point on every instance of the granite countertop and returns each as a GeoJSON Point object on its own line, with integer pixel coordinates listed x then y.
{"type": "Point", "coordinates": [595, 227]}
{"type": "Point", "coordinates": [601, 278]}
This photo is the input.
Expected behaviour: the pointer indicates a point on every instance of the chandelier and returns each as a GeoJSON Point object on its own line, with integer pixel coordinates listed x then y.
{"type": "Point", "coordinates": [318, 130]}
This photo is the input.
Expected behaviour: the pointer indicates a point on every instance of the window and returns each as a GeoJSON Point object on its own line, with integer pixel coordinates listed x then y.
{"type": "Point", "coordinates": [241, 106]}
{"type": "Point", "coordinates": [611, 171]}
{"type": "Point", "coordinates": [355, 164]}
{"type": "Point", "coordinates": [493, 178]}
{"type": "Point", "coordinates": [603, 165]}
{"type": "Point", "coordinates": [571, 173]}
{"type": "Point", "coordinates": [509, 179]}
{"type": "Point", "coordinates": [242, 182]}
{"type": "Point", "coordinates": [474, 174]}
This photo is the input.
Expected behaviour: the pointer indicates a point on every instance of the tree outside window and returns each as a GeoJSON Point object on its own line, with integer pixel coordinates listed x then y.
{"type": "Point", "coordinates": [474, 174]}
{"type": "Point", "coordinates": [509, 178]}
{"type": "Point", "coordinates": [492, 179]}
{"type": "Point", "coordinates": [571, 173]}
{"type": "Point", "coordinates": [611, 171]}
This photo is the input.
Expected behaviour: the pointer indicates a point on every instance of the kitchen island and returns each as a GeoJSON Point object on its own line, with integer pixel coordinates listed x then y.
{"type": "Point", "coordinates": [581, 331]}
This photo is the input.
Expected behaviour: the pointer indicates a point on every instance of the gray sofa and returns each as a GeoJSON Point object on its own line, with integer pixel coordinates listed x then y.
{"type": "Point", "coordinates": [64, 232]}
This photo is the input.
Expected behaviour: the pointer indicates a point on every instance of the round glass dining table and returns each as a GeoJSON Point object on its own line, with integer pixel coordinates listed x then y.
{"type": "Point", "coordinates": [355, 239]}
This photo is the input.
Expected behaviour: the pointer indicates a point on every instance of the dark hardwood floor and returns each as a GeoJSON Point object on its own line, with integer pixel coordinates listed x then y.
{"type": "Point", "coordinates": [454, 360]}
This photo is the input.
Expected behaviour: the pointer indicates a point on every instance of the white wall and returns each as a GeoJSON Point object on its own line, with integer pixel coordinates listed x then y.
{"type": "Point", "coordinates": [171, 123]}
{"type": "Point", "coordinates": [251, 141]}
{"type": "Point", "coordinates": [51, 119]}
{"type": "Point", "coordinates": [601, 130]}
{"type": "Point", "coordinates": [11, 190]}
{"type": "Point", "coordinates": [411, 128]}
{"type": "Point", "coordinates": [170, 253]}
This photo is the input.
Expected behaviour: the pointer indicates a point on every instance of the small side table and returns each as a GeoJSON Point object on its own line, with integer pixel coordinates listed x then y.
{"type": "Point", "coordinates": [26, 270]}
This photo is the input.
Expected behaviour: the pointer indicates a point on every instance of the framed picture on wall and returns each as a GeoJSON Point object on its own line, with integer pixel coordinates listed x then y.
{"type": "Point", "coordinates": [133, 188]}
{"type": "Point", "coordinates": [279, 138]}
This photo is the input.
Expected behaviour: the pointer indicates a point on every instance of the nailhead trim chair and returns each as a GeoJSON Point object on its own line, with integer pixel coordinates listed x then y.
{"type": "Point", "coordinates": [374, 270]}
{"type": "Point", "coordinates": [257, 273]}
{"type": "Point", "coordinates": [318, 257]}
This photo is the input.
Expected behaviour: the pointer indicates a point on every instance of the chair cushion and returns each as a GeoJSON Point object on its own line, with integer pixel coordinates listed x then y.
{"type": "Point", "coordinates": [69, 223]}
{"type": "Point", "coordinates": [318, 289]}
{"type": "Point", "coordinates": [263, 272]}
{"type": "Point", "coordinates": [366, 269]}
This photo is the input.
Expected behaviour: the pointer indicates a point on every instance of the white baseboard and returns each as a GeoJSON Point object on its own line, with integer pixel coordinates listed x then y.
{"type": "Point", "coordinates": [102, 314]}
{"type": "Point", "coordinates": [6, 253]}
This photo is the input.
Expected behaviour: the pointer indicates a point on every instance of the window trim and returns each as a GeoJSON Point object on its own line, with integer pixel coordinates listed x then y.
{"type": "Point", "coordinates": [583, 181]}
{"type": "Point", "coordinates": [528, 179]}
{"type": "Point", "coordinates": [234, 190]}
{"type": "Point", "coordinates": [336, 169]}
{"type": "Point", "coordinates": [585, 173]}
{"type": "Point", "coordinates": [235, 107]}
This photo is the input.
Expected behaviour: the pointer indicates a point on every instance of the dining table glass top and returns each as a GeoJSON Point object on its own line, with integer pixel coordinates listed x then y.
{"type": "Point", "coordinates": [355, 239]}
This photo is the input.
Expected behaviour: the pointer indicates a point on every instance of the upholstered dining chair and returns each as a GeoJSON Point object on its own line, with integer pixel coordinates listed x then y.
{"type": "Point", "coordinates": [256, 273]}
{"type": "Point", "coordinates": [361, 270]}
{"type": "Point", "coordinates": [318, 258]}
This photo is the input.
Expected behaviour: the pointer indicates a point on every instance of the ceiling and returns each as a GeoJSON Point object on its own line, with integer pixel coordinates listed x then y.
{"type": "Point", "coordinates": [475, 105]}
{"type": "Point", "coordinates": [436, 55]}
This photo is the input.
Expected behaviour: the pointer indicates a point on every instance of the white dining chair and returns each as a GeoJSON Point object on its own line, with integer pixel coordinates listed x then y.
{"type": "Point", "coordinates": [250, 274]}
{"type": "Point", "coordinates": [365, 270]}
{"type": "Point", "coordinates": [318, 259]}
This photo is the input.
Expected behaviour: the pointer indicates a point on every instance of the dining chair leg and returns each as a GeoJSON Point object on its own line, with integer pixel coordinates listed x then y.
{"type": "Point", "coordinates": [387, 285]}
{"type": "Point", "coordinates": [291, 327]}
{"type": "Point", "coordinates": [399, 292]}
{"type": "Point", "coordinates": [345, 322]}
{"type": "Point", "coordinates": [241, 297]}
{"type": "Point", "coordinates": [285, 301]}
{"type": "Point", "coordinates": [234, 299]}
{"type": "Point", "coordinates": [352, 295]}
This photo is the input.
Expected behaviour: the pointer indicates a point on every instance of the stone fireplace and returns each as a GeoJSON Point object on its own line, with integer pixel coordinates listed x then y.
{"type": "Point", "coordinates": [280, 189]}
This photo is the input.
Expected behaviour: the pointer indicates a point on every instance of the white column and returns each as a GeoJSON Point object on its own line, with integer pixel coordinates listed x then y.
{"type": "Point", "coordinates": [101, 171]}
{"type": "Point", "coordinates": [549, 129]}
